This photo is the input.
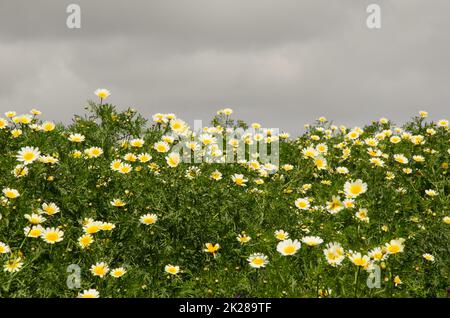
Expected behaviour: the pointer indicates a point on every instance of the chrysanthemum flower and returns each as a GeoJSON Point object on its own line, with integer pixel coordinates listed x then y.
{"type": "Point", "coordinates": [107, 226]}
{"type": "Point", "coordinates": [85, 240]}
{"type": "Point", "coordinates": [335, 205]}
{"type": "Point", "coordinates": [102, 93]}
{"type": "Point", "coordinates": [362, 215]}
{"type": "Point", "coordinates": [118, 203]}
{"type": "Point", "coordinates": [302, 203]}
{"type": "Point", "coordinates": [148, 219]}
{"type": "Point", "coordinates": [118, 272]}
{"type": "Point", "coordinates": [93, 152]}
{"type": "Point", "coordinates": [52, 235]}
{"type": "Point", "coordinates": [13, 265]}
{"type": "Point", "coordinates": [355, 188]}
{"type": "Point", "coordinates": [243, 238]}
{"type": "Point", "coordinates": [211, 248]}
{"type": "Point", "coordinates": [90, 293]}
{"type": "Point", "coordinates": [48, 126]}
{"type": "Point", "coordinates": [395, 246]}
{"type": "Point", "coordinates": [137, 143]}
{"type": "Point", "coordinates": [334, 254]}
{"type": "Point", "coordinates": [377, 254]}
{"type": "Point", "coordinates": [281, 235]}
{"type": "Point", "coordinates": [312, 240]}
{"type": "Point", "coordinates": [216, 175]}
{"type": "Point", "coordinates": [34, 232]}
{"type": "Point", "coordinates": [400, 158]}
{"type": "Point", "coordinates": [258, 260]}
{"type": "Point", "coordinates": [28, 155]}
{"type": "Point", "coordinates": [161, 147]}
{"type": "Point", "coordinates": [35, 218]}
{"type": "Point", "coordinates": [144, 157]}
{"type": "Point", "coordinates": [99, 269]}
{"type": "Point", "coordinates": [358, 259]}
{"type": "Point", "coordinates": [10, 193]}
{"type": "Point", "coordinates": [397, 280]}
{"type": "Point", "coordinates": [342, 170]}
{"type": "Point", "coordinates": [115, 165]}
{"type": "Point", "coordinates": [173, 159]}
{"type": "Point", "coordinates": [320, 163]}
{"type": "Point", "coordinates": [125, 168]}
{"type": "Point", "coordinates": [288, 247]}
{"type": "Point", "coordinates": [50, 208]}
{"type": "Point", "coordinates": [92, 227]}
{"type": "Point", "coordinates": [78, 138]}
{"type": "Point", "coordinates": [4, 248]}
{"type": "Point", "coordinates": [172, 269]}
{"type": "Point", "coordinates": [428, 257]}
{"type": "Point", "coordinates": [239, 179]}
{"type": "Point", "coordinates": [3, 123]}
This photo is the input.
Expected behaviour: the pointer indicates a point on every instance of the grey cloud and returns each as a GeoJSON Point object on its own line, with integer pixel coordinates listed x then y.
{"type": "Point", "coordinates": [282, 63]}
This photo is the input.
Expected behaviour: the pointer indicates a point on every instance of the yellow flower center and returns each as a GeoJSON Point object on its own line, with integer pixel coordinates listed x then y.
{"type": "Point", "coordinates": [290, 249]}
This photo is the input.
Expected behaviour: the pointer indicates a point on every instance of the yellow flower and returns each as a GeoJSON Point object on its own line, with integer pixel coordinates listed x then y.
{"type": "Point", "coordinates": [302, 203]}
{"type": "Point", "coordinates": [216, 175]}
{"type": "Point", "coordinates": [50, 208]}
{"type": "Point", "coordinates": [137, 143]}
{"type": "Point", "coordinates": [358, 259]}
{"type": "Point", "coordinates": [312, 240]}
{"type": "Point", "coordinates": [172, 269]}
{"type": "Point", "coordinates": [334, 254]}
{"type": "Point", "coordinates": [320, 163]}
{"type": "Point", "coordinates": [16, 133]}
{"type": "Point", "coordinates": [76, 138]}
{"type": "Point", "coordinates": [400, 158]}
{"type": "Point", "coordinates": [258, 260]}
{"type": "Point", "coordinates": [11, 193]}
{"type": "Point", "coordinates": [173, 159]}
{"type": "Point", "coordinates": [118, 203]}
{"type": "Point", "coordinates": [4, 248]}
{"type": "Point", "coordinates": [397, 280]}
{"type": "Point", "coordinates": [118, 272]}
{"type": "Point", "coordinates": [148, 219]}
{"type": "Point", "coordinates": [281, 235]}
{"type": "Point", "coordinates": [52, 235]}
{"type": "Point", "coordinates": [3, 123]}
{"type": "Point", "coordinates": [48, 126]}
{"type": "Point", "coordinates": [102, 93]}
{"type": "Point", "coordinates": [90, 293]}
{"type": "Point", "coordinates": [144, 157]}
{"type": "Point", "coordinates": [93, 152]}
{"type": "Point", "coordinates": [92, 227]}
{"type": "Point", "coordinates": [395, 246]}
{"type": "Point", "coordinates": [212, 248]}
{"type": "Point", "coordinates": [243, 238]}
{"type": "Point", "coordinates": [355, 188]}
{"type": "Point", "coordinates": [99, 269]}
{"type": "Point", "coordinates": [28, 155]}
{"type": "Point", "coordinates": [239, 179]}
{"type": "Point", "coordinates": [423, 114]}
{"type": "Point", "coordinates": [288, 247]}
{"type": "Point", "coordinates": [13, 265]}
{"type": "Point", "coordinates": [34, 232]}
{"type": "Point", "coordinates": [85, 240]}
{"type": "Point", "coordinates": [161, 147]}
{"type": "Point", "coordinates": [428, 257]}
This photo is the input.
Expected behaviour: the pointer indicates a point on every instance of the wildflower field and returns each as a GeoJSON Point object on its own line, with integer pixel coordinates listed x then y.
{"type": "Point", "coordinates": [104, 207]}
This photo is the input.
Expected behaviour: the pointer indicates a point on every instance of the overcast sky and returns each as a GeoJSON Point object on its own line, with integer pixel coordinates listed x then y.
{"type": "Point", "coordinates": [281, 62]}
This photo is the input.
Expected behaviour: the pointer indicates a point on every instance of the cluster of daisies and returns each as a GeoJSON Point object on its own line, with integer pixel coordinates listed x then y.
{"type": "Point", "coordinates": [179, 143]}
